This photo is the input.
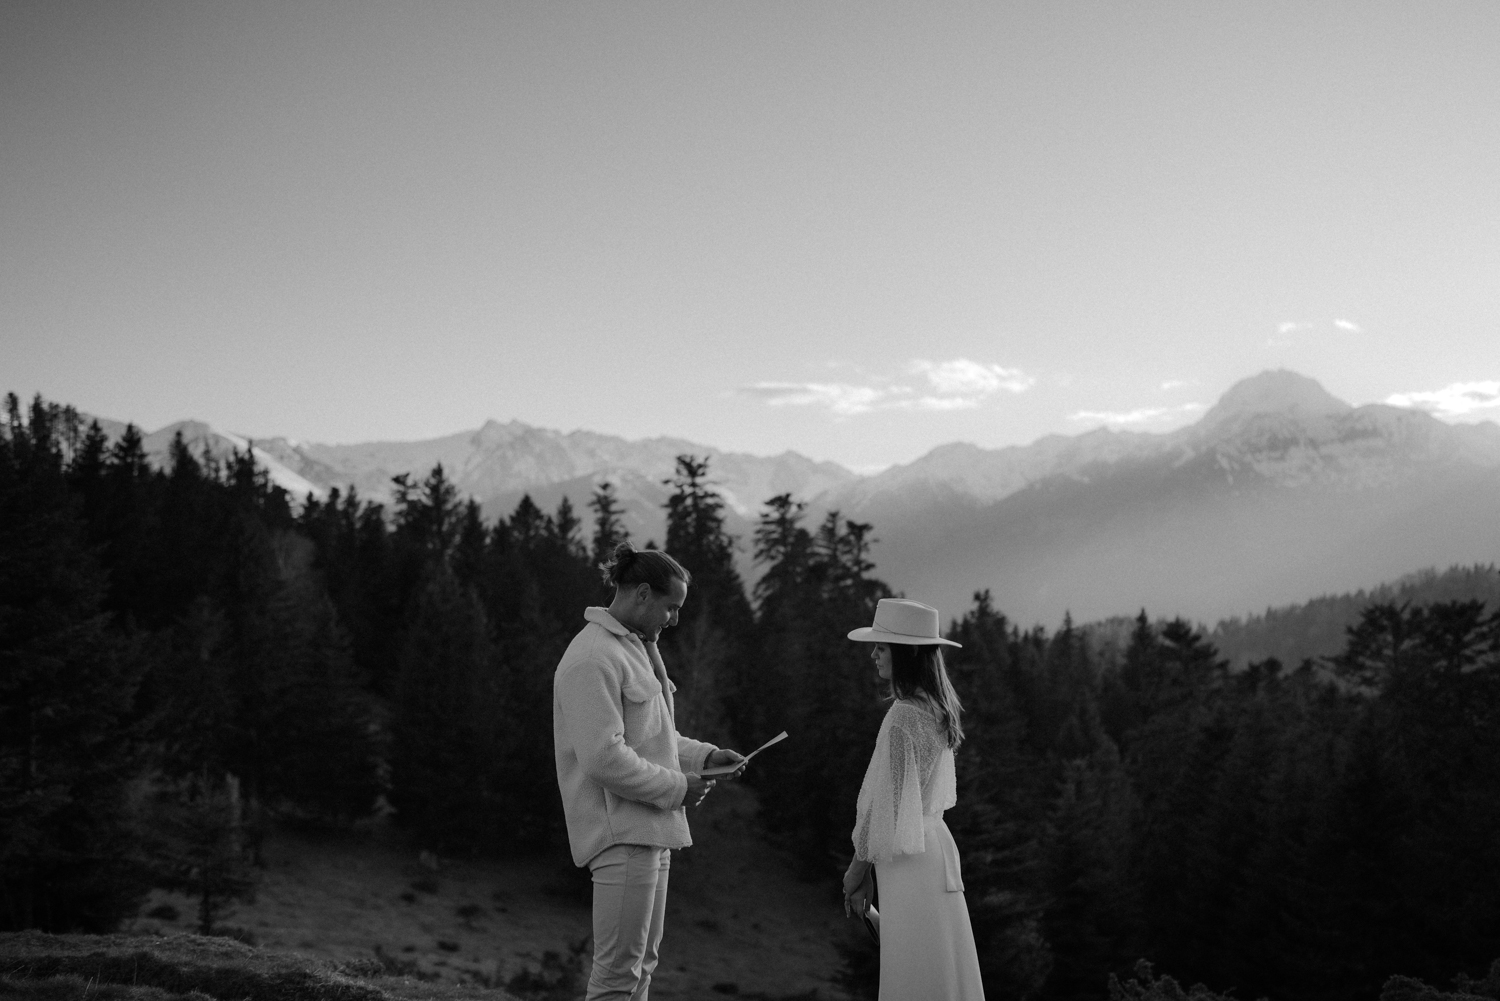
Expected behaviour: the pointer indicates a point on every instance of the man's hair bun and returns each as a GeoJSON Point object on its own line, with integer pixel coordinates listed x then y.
{"type": "Point", "coordinates": [629, 566]}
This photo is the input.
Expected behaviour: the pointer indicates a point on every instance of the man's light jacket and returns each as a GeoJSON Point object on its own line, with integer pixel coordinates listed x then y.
{"type": "Point", "coordinates": [620, 759]}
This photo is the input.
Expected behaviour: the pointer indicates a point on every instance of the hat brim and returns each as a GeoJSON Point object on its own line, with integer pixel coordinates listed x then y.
{"type": "Point", "coordinates": [874, 634]}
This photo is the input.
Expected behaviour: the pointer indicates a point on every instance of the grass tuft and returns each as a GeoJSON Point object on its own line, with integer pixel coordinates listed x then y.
{"type": "Point", "coordinates": [177, 966]}
{"type": "Point", "coordinates": [70, 988]}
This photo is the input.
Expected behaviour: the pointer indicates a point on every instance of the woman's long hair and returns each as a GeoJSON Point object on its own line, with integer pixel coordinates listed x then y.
{"type": "Point", "coordinates": [918, 672]}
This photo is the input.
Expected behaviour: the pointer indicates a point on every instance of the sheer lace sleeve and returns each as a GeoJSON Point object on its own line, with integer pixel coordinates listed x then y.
{"type": "Point", "coordinates": [888, 819]}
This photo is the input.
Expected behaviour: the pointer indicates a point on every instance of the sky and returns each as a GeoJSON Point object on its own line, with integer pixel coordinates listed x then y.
{"type": "Point", "coordinates": [856, 231]}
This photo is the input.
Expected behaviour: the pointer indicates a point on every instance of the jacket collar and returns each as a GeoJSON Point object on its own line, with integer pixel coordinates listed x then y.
{"type": "Point", "coordinates": [601, 615]}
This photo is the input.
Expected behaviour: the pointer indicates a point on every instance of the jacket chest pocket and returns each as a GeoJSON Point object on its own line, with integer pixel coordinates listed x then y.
{"type": "Point", "coordinates": [645, 710]}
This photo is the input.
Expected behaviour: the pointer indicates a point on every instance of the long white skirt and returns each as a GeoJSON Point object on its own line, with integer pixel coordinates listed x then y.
{"type": "Point", "coordinates": [926, 943]}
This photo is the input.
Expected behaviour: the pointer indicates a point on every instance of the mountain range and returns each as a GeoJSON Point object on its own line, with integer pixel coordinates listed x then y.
{"type": "Point", "coordinates": [1279, 493]}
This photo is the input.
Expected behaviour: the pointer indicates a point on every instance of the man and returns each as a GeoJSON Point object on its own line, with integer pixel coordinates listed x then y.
{"type": "Point", "coordinates": [625, 773]}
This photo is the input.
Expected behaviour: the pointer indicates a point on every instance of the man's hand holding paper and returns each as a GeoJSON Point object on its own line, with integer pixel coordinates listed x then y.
{"type": "Point", "coordinates": [732, 762]}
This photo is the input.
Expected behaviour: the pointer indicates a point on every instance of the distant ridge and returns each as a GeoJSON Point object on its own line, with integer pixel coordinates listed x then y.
{"type": "Point", "coordinates": [201, 438]}
{"type": "Point", "coordinates": [1279, 493]}
{"type": "Point", "coordinates": [497, 464]}
{"type": "Point", "coordinates": [1316, 628]}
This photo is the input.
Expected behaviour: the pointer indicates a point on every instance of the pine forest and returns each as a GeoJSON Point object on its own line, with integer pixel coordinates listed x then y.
{"type": "Point", "coordinates": [188, 657]}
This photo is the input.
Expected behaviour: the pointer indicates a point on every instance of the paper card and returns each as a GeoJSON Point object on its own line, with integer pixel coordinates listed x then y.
{"type": "Point", "coordinates": [727, 769]}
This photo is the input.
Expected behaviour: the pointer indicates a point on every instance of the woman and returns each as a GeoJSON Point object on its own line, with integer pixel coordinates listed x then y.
{"type": "Point", "coordinates": [926, 943]}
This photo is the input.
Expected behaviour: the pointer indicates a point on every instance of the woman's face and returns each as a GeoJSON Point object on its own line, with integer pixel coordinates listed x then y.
{"type": "Point", "coordinates": [881, 655]}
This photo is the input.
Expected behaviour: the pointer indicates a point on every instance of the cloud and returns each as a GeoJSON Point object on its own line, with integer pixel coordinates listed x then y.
{"type": "Point", "coordinates": [839, 397]}
{"type": "Point", "coordinates": [1289, 331]}
{"type": "Point", "coordinates": [1141, 415]}
{"type": "Point", "coordinates": [961, 377]}
{"type": "Point", "coordinates": [957, 384]}
{"type": "Point", "coordinates": [1455, 401]}
{"type": "Point", "coordinates": [1174, 384]}
{"type": "Point", "coordinates": [940, 403]}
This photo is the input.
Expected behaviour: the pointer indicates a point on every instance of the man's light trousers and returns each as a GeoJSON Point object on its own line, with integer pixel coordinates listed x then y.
{"type": "Point", "coordinates": [630, 907]}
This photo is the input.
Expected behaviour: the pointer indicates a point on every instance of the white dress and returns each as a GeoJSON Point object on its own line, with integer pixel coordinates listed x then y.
{"type": "Point", "coordinates": [926, 943]}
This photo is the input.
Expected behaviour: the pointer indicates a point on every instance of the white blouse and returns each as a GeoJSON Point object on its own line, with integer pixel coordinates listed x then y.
{"type": "Point", "coordinates": [909, 779]}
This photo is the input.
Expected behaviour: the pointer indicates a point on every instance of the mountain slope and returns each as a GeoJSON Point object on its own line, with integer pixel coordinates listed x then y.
{"type": "Point", "coordinates": [499, 463]}
{"type": "Point", "coordinates": [1280, 493]}
{"type": "Point", "coordinates": [499, 459]}
{"type": "Point", "coordinates": [1292, 633]}
{"type": "Point", "coordinates": [202, 439]}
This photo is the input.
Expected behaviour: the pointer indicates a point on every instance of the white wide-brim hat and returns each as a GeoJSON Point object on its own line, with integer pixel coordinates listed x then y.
{"type": "Point", "coordinates": [898, 620]}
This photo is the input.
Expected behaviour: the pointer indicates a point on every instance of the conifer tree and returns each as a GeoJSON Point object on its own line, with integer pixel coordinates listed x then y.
{"type": "Point", "coordinates": [191, 690]}
{"type": "Point", "coordinates": [697, 538]}
{"type": "Point", "coordinates": [86, 471]}
{"type": "Point", "coordinates": [609, 522]}
{"type": "Point", "coordinates": [705, 650]}
{"type": "Point", "coordinates": [820, 687]}
{"type": "Point", "coordinates": [1420, 802]}
{"type": "Point", "coordinates": [198, 845]}
{"type": "Point", "coordinates": [784, 601]}
{"type": "Point", "coordinates": [528, 523]}
{"type": "Point", "coordinates": [448, 722]}
{"type": "Point", "coordinates": [253, 652]}
{"type": "Point", "coordinates": [535, 593]}
{"type": "Point", "coordinates": [185, 521]}
{"type": "Point", "coordinates": [470, 546]}
{"type": "Point", "coordinates": [695, 517]}
{"type": "Point", "coordinates": [1002, 798]}
{"type": "Point", "coordinates": [783, 546]}
{"type": "Point", "coordinates": [67, 687]}
{"type": "Point", "coordinates": [375, 603]}
{"type": "Point", "coordinates": [566, 525]}
{"type": "Point", "coordinates": [428, 512]}
{"type": "Point", "coordinates": [1379, 645]}
{"type": "Point", "coordinates": [129, 528]}
{"type": "Point", "coordinates": [324, 764]}
{"type": "Point", "coordinates": [1092, 920]}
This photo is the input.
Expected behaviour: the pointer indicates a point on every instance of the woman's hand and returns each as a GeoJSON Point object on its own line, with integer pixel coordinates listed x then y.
{"type": "Point", "coordinates": [858, 902]}
{"type": "Point", "coordinates": [855, 875]}
{"type": "Point", "coordinates": [858, 888]}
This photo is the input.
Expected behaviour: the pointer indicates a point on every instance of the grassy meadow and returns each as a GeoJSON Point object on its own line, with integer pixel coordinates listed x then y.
{"type": "Point", "coordinates": [371, 918]}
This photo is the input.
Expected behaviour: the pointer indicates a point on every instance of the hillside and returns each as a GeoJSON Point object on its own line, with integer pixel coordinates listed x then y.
{"type": "Point", "coordinates": [366, 902]}
{"type": "Point", "coordinates": [181, 967]}
{"type": "Point", "coordinates": [1292, 633]}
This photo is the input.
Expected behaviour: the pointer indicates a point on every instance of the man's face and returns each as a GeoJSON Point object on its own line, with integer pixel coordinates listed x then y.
{"type": "Point", "coordinates": [658, 611]}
